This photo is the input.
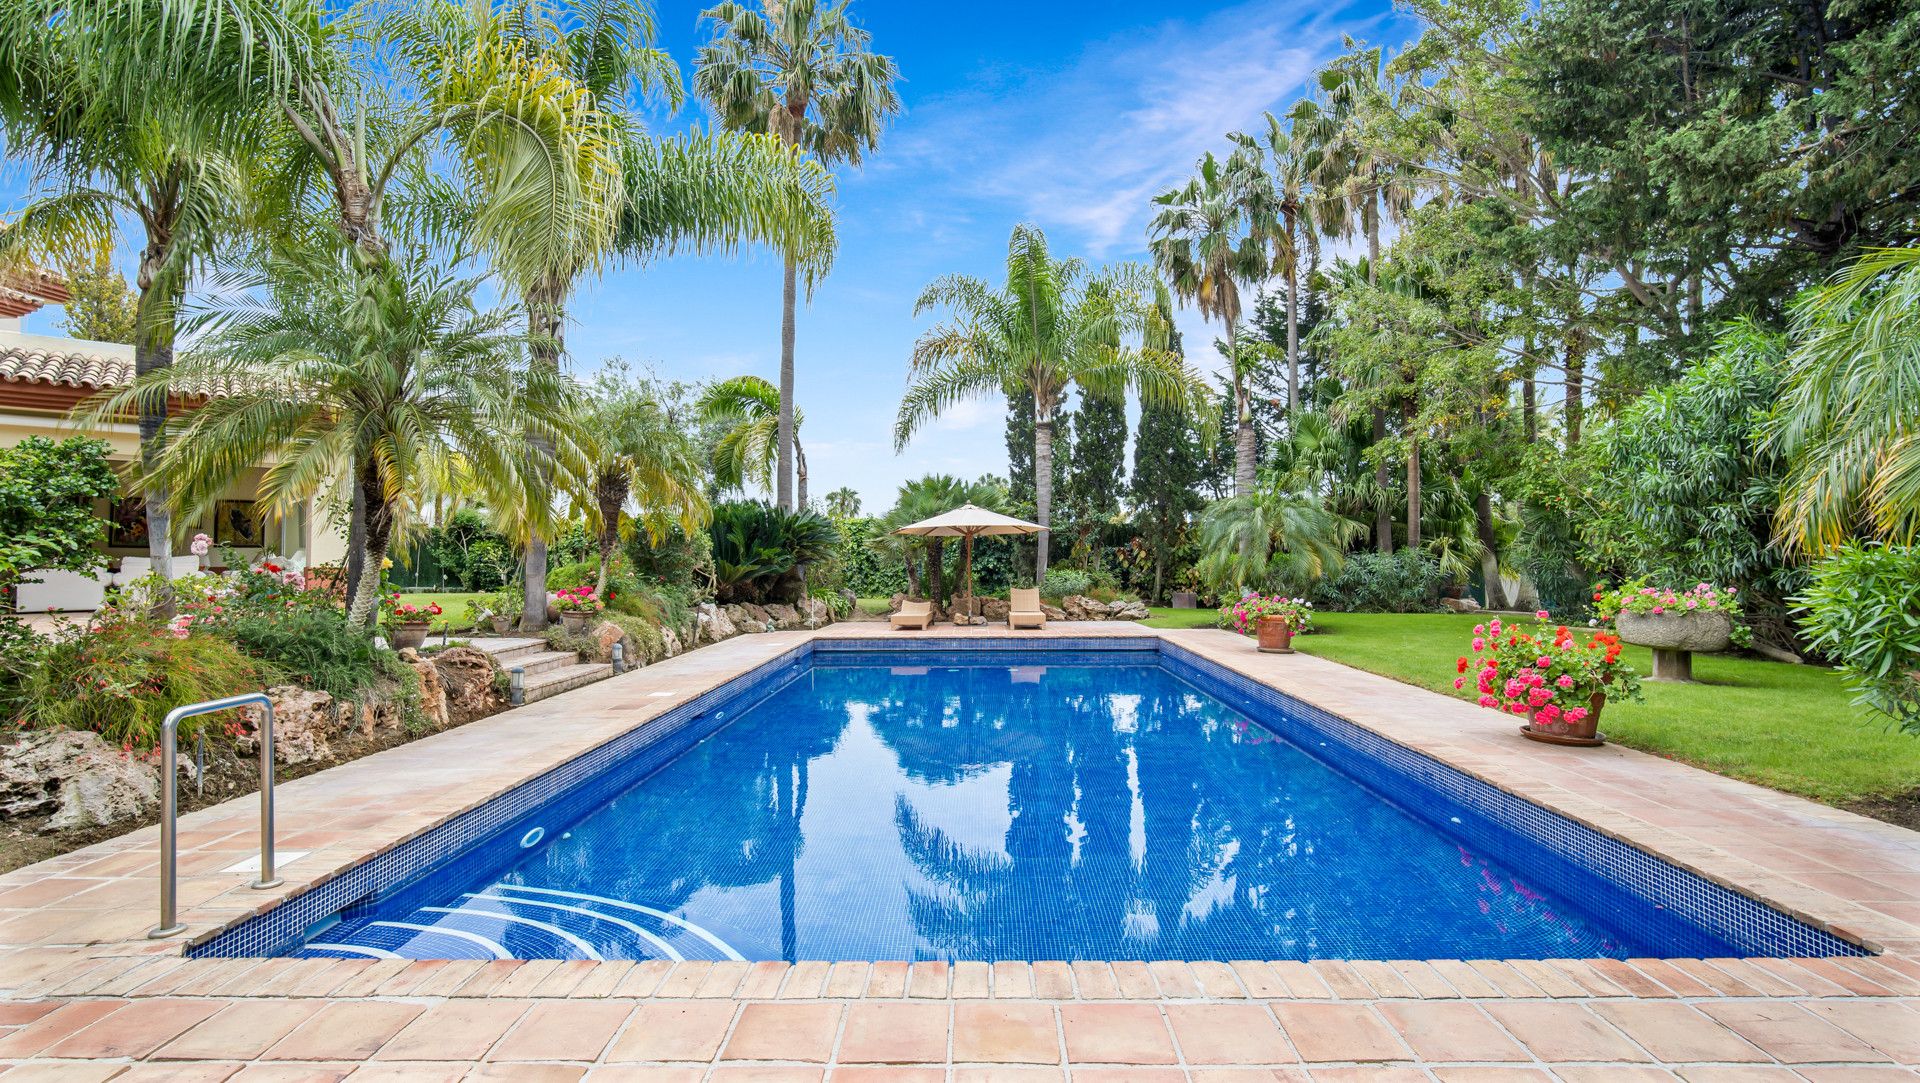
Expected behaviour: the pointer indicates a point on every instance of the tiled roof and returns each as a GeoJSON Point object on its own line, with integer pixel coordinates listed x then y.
{"type": "Point", "coordinates": [83, 364]}
{"type": "Point", "coordinates": [24, 291]}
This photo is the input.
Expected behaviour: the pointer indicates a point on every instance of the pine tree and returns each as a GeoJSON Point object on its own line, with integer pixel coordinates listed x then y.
{"type": "Point", "coordinates": [1097, 475]}
{"type": "Point", "coordinates": [103, 307]}
{"type": "Point", "coordinates": [1167, 470]}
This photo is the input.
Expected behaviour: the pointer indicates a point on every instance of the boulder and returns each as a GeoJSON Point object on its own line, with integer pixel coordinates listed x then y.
{"type": "Point", "coordinates": [1129, 610]}
{"type": "Point", "coordinates": [738, 616]}
{"type": "Point", "coordinates": [669, 643]}
{"type": "Point", "coordinates": [711, 624]}
{"type": "Point", "coordinates": [758, 619]}
{"type": "Point", "coordinates": [994, 610]}
{"type": "Point", "coordinates": [1081, 607]}
{"type": "Point", "coordinates": [467, 679]}
{"type": "Point", "coordinates": [1460, 605]}
{"type": "Point", "coordinates": [815, 613]}
{"type": "Point", "coordinates": [76, 778]}
{"type": "Point", "coordinates": [433, 698]}
{"type": "Point", "coordinates": [303, 720]}
{"type": "Point", "coordinates": [1052, 612]}
{"type": "Point", "coordinates": [784, 616]}
{"type": "Point", "coordinates": [605, 635]}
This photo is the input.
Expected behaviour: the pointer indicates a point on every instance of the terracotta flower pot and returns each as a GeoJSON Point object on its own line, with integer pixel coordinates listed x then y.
{"type": "Point", "coordinates": [575, 623]}
{"type": "Point", "coordinates": [1276, 636]}
{"type": "Point", "coordinates": [1585, 732]}
{"type": "Point", "coordinates": [502, 624]}
{"type": "Point", "coordinates": [411, 633]}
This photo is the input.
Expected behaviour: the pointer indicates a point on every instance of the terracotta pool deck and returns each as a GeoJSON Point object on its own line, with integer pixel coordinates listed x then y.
{"type": "Point", "coordinates": [85, 996]}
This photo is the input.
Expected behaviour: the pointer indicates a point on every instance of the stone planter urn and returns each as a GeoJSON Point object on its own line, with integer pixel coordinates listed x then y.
{"type": "Point", "coordinates": [1276, 636]}
{"type": "Point", "coordinates": [1185, 599]}
{"type": "Point", "coordinates": [574, 623]}
{"type": "Point", "coordinates": [1675, 636]}
{"type": "Point", "coordinates": [411, 633]}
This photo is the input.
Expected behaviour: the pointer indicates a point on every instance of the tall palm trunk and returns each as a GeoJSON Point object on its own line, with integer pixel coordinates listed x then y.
{"type": "Point", "coordinates": [610, 495]}
{"type": "Point", "coordinates": [1382, 473]}
{"type": "Point", "coordinates": [546, 322]}
{"type": "Point", "coordinates": [1293, 343]}
{"type": "Point", "coordinates": [800, 471]}
{"type": "Point", "coordinates": [1496, 597]}
{"type": "Point", "coordinates": [366, 595]}
{"type": "Point", "coordinates": [1245, 450]}
{"type": "Point", "coordinates": [783, 490]}
{"type": "Point", "coordinates": [1042, 483]}
{"type": "Point", "coordinates": [937, 570]}
{"type": "Point", "coordinates": [1413, 477]}
{"type": "Point", "coordinates": [152, 352]}
{"type": "Point", "coordinates": [356, 538]}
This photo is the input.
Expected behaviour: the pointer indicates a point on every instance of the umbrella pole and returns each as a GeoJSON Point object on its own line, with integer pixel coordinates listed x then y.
{"type": "Point", "coordinates": [966, 555]}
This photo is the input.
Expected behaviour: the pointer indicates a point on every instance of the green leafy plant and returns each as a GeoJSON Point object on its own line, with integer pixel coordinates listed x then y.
{"type": "Point", "coordinates": [1245, 615]}
{"type": "Point", "coordinates": [47, 491]}
{"type": "Point", "coordinates": [121, 678]}
{"type": "Point", "coordinates": [1402, 582]}
{"type": "Point", "coordinates": [1862, 609]}
{"type": "Point", "coordinates": [758, 548]}
{"type": "Point", "coordinates": [315, 648]}
{"type": "Point", "coordinates": [1061, 582]}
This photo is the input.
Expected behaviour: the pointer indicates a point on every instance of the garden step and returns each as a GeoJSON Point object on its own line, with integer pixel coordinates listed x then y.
{"type": "Point", "coordinates": [542, 662]}
{"type": "Point", "coordinates": [555, 681]}
{"type": "Point", "coordinates": [508, 650]}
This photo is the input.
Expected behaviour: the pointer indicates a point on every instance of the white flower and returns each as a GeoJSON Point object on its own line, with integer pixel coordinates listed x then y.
{"type": "Point", "coordinates": [201, 543]}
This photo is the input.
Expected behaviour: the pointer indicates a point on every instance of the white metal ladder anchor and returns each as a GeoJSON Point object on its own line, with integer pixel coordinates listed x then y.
{"type": "Point", "coordinates": [170, 803]}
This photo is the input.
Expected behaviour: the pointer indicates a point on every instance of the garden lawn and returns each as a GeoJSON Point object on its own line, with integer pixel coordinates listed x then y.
{"type": "Point", "coordinates": [1785, 726]}
{"type": "Point", "coordinates": [457, 609]}
{"type": "Point", "coordinates": [1167, 617]}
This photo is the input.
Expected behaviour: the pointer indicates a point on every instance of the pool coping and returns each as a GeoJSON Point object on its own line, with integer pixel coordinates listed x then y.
{"type": "Point", "coordinates": [1476, 742]}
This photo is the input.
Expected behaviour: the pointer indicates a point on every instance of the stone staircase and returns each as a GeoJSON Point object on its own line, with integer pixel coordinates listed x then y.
{"type": "Point", "coordinates": [547, 672]}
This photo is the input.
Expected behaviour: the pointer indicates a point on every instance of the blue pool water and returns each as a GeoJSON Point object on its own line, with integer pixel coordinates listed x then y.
{"type": "Point", "coordinates": [980, 805]}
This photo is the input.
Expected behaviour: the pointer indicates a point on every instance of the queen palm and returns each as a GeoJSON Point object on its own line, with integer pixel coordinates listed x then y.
{"type": "Point", "coordinates": [1051, 327]}
{"type": "Point", "coordinates": [378, 376]}
{"type": "Point", "coordinates": [174, 165]}
{"type": "Point", "coordinates": [1845, 420]}
{"type": "Point", "coordinates": [747, 452]}
{"type": "Point", "coordinates": [1209, 238]}
{"type": "Point", "coordinates": [804, 73]}
{"type": "Point", "coordinates": [1293, 162]}
{"type": "Point", "coordinates": [635, 451]}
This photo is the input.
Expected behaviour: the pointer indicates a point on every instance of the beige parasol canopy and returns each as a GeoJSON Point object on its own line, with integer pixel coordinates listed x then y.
{"type": "Point", "coordinates": [966, 522]}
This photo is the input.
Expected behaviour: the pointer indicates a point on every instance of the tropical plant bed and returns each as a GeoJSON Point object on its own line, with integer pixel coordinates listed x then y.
{"type": "Point", "coordinates": [1786, 726]}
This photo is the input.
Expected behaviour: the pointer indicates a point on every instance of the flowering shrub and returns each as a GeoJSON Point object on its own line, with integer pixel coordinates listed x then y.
{"type": "Point", "coordinates": [1548, 676]}
{"type": "Point", "coordinates": [1244, 616]}
{"type": "Point", "coordinates": [578, 600]}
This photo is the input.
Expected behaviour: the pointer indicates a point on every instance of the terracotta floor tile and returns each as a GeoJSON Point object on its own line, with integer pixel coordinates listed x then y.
{"type": "Point", "coordinates": [1676, 1033]}
{"type": "Point", "coordinates": [1857, 1073]}
{"type": "Point", "coordinates": [1127, 1075]}
{"type": "Point", "coordinates": [1228, 1034]}
{"type": "Point", "coordinates": [645, 1073]}
{"type": "Point", "coordinates": [1613, 1073]}
{"type": "Point", "coordinates": [782, 1031]}
{"type": "Point", "coordinates": [1116, 1034]}
{"type": "Point", "coordinates": [564, 1030]}
{"type": "Point", "coordinates": [1738, 1073]}
{"type": "Point", "coordinates": [1339, 1032]}
{"type": "Point", "coordinates": [765, 1074]}
{"type": "Point", "coordinates": [1451, 1031]}
{"type": "Point", "coordinates": [292, 1073]}
{"type": "Point", "coordinates": [411, 1072]}
{"type": "Point", "coordinates": [1003, 1074]}
{"type": "Point", "coordinates": [889, 1074]}
{"type": "Point", "coordinates": [1367, 1074]}
{"type": "Point", "coordinates": [1790, 1033]}
{"type": "Point", "coordinates": [689, 1031]}
{"type": "Point", "coordinates": [241, 1031]}
{"type": "Point", "coordinates": [1558, 1031]}
{"type": "Point", "coordinates": [55, 1026]}
{"type": "Point", "coordinates": [70, 1072]}
{"type": "Point", "coordinates": [894, 1032]}
{"type": "Point", "coordinates": [345, 1030]}
{"type": "Point", "coordinates": [454, 1030]}
{"type": "Point", "coordinates": [1488, 1073]}
{"type": "Point", "coordinates": [529, 1073]}
{"type": "Point", "coordinates": [135, 1030]}
{"type": "Point", "coordinates": [1892, 1028]}
{"type": "Point", "coordinates": [1005, 1032]}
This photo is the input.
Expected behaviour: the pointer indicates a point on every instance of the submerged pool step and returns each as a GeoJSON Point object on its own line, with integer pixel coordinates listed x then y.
{"type": "Point", "coordinates": [512, 922]}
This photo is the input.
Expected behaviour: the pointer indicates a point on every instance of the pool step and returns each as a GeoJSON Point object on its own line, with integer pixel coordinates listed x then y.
{"type": "Point", "coordinates": [510, 922]}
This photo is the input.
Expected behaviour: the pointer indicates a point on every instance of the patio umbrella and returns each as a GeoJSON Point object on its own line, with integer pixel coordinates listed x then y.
{"type": "Point", "coordinates": [966, 522]}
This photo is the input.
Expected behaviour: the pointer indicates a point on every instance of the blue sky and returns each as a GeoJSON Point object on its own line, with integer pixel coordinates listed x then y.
{"type": "Point", "coordinates": [1070, 116]}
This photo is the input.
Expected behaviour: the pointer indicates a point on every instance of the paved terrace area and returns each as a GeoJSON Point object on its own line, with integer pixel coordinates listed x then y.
{"type": "Point", "coordinates": [84, 996]}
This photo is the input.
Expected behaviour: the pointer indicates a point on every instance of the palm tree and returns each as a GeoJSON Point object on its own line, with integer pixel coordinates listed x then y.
{"type": "Point", "coordinates": [1845, 422]}
{"type": "Point", "coordinates": [746, 453]}
{"type": "Point", "coordinates": [804, 73]}
{"type": "Point", "coordinates": [379, 376]}
{"type": "Point", "coordinates": [1051, 327]}
{"type": "Point", "coordinates": [1274, 538]}
{"type": "Point", "coordinates": [843, 503]}
{"type": "Point", "coordinates": [1209, 238]}
{"type": "Point", "coordinates": [635, 450]}
{"type": "Point", "coordinates": [1291, 174]}
{"type": "Point", "coordinates": [176, 165]}
{"type": "Point", "coordinates": [924, 498]}
{"type": "Point", "coordinates": [1359, 187]}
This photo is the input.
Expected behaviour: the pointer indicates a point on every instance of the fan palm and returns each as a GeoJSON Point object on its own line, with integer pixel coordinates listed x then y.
{"type": "Point", "coordinates": [175, 165]}
{"type": "Point", "coordinates": [380, 376]}
{"type": "Point", "coordinates": [635, 450]}
{"type": "Point", "coordinates": [802, 72]}
{"type": "Point", "coordinates": [843, 503]}
{"type": "Point", "coordinates": [1050, 327]}
{"type": "Point", "coordinates": [1210, 237]}
{"type": "Point", "coordinates": [1274, 538]}
{"type": "Point", "coordinates": [926, 497]}
{"type": "Point", "coordinates": [1848, 418]}
{"type": "Point", "coordinates": [748, 451]}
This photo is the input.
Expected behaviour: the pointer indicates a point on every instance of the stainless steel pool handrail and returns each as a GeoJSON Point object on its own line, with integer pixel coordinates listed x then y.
{"type": "Point", "coordinates": [170, 802]}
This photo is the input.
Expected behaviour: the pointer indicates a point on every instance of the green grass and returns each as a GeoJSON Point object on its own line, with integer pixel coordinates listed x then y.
{"type": "Point", "coordinates": [1166, 617]}
{"type": "Point", "coordinates": [874, 606]}
{"type": "Point", "coordinates": [1785, 726]}
{"type": "Point", "coordinates": [457, 608]}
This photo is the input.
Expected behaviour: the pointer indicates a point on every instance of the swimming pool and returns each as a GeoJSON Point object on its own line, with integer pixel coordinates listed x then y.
{"type": "Point", "coordinates": [974, 802]}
